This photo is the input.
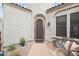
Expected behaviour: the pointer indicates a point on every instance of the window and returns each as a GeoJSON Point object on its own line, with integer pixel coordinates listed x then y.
{"type": "Point", "coordinates": [74, 25]}
{"type": "Point", "coordinates": [61, 25]}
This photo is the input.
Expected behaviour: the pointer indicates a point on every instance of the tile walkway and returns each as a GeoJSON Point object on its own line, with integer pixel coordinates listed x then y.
{"type": "Point", "coordinates": [39, 49]}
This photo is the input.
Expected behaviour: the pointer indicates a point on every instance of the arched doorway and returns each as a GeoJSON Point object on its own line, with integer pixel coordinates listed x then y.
{"type": "Point", "coordinates": [39, 28]}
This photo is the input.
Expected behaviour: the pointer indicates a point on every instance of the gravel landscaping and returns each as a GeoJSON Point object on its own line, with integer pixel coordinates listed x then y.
{"type": "Point", "coordinates": [55, 51]}
{"type": "Point", "coordinates": [19, 51]}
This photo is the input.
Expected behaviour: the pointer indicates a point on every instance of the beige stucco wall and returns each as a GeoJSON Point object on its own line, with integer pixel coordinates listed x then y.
{"type": "Point", "coordinates": [52, 18]}
{"type": "Point", "coordinates": [17, 24]}
{"type": "Point", "coordinates": [0, 24]}
{"type": "Point", "coordinates": [40, 8]}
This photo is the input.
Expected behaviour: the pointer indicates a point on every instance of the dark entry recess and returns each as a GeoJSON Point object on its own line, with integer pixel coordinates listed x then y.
{"type": "Point", "coordinates": [39, 31]}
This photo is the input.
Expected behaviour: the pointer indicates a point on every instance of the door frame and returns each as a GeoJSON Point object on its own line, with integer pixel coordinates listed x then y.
{"type": "Point", "coordinates": [37, 27]}
{"type": "Point", "coordinates": [35, 22]}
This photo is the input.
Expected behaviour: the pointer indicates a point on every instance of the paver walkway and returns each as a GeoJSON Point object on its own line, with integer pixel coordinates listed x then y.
{"type": "Point", "coordinates": [39, 49]}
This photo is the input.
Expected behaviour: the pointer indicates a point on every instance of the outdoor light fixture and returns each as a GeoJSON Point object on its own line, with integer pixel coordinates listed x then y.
{"type": "Point", "coordinates": [48, 24]}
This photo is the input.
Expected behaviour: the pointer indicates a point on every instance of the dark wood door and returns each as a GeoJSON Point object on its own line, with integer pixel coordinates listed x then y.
{"type": "Point", "coordinates": [39, 29]}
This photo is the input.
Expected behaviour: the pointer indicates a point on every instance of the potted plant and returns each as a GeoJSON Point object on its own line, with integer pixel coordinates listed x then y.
{"type": "Point", "coordinates": [22, 41]}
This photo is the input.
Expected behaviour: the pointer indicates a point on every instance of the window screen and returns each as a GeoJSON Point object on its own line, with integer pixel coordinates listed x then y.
{"type": "Point", "coordinates": [74, 25]}
{"type": "Point", "coordinates": [61, 25]}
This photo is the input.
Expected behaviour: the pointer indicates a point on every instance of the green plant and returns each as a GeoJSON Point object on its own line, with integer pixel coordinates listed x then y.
{"type": "Point", "coordinates": [22, 41]}
{"type": "Point", "coordinates": [11, 47]}
{"type": "Point", "coordinates": [15, 53]}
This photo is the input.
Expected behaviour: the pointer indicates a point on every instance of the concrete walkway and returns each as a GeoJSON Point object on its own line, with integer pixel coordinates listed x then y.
{"type": "Point", "coordinates": [39, 49]}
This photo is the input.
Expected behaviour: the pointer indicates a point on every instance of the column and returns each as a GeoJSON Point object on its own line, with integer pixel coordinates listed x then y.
{"type": "Point", "coordinates": [68, 25]}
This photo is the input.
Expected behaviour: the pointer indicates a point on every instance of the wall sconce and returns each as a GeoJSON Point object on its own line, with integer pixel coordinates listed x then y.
{"type": "Point", "coordinates": [48, 24]}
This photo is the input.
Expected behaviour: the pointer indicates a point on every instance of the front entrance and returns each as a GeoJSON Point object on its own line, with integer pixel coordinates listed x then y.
{"type": "Point", "coordinates": [39, 28]}
{"type": "Point", "coordinates": [39, 31]}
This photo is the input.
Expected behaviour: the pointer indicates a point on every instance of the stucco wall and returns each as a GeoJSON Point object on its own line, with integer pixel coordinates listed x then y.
{"type": "Point", "coordinates": [52, 17]}
{"type": "Point", "coordinates": [0, 24]}
{"type": "Point", "coordinates": [40, 8]}
{"type": "Point", "coordinates": [17, 24]}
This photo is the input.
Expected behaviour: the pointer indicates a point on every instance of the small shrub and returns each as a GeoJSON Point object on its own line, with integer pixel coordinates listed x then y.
{"type": "Point", "coordinates": [22, 41]}
{"type": "Point", "coordinates": [11, 47]}
{"type": "Point", "coordinates": [15, 53]}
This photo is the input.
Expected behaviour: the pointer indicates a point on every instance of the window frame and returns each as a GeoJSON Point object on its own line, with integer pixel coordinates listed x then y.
{"type": "Point", "coordinates": [65, 15]}
{"type": "Point", "coordinates": [73, 23]}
